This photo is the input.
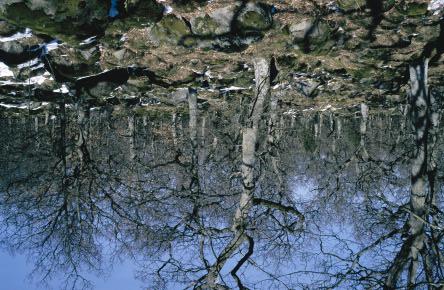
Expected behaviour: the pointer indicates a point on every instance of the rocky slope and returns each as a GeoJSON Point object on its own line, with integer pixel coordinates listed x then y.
{"type": "Point", "coordinates": [144, 52]}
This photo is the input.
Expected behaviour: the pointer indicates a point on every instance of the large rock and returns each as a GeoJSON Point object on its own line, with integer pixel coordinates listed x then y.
{"type": "Point", "coordinates": [215, 23]}
{"type": "Point", "coordinates": [310, 32]}
{"type": "Point", "coordinates": [69, 63]}
{"type": "Point", "coordinates": [414, 8]}
{"type": "Point", "coordinates": [171, 29]}
{"type": "Point", "coordinates": [250, 17]}
{"type": "Point", "coordinates": [255, 16]}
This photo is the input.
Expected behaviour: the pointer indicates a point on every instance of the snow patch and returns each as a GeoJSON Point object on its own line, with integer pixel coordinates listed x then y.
{"type": "Point", "coordinates": [52, 45]}
{"type": "Point", "coordinates": [124, 38]}
{"type": "Point", "coordinates": [232, 88]}
{"type": "Point", "coordinates": [30, 63]}
{"type": "Point", "coordinates": [328, 107]}
{"type": "Point", "coordinates": [88, 40]}
{"type": "Point", "coordinates": [38, 79]}
{"type": "Point", "coordinates": [290, 112]}
{"type": "Point", "coordinates": [436, 6]}
{"type": "Point", "coordinates": [17, 36]}
{"type": "Point", "coordinates": [167, 10]}
{"type": "Point", "coordinates": [5, 71]}
{"type": "Point", "coordinates": [10, 106]}
{"type": "Point", "coordinates": [63, 90]}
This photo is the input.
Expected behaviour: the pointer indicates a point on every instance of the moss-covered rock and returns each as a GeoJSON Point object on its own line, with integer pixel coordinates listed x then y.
{"type": "Point", "coordinates": [233, 18]}
{"type": "Point", "coordinates": [413, 9]}
{"type": "Point", "coordinates": [206, 25]}
{"type": "Point", "coordinates": [255, 16]}
{"type": "Point", "coordinates": [311, 34]}
{"type": "Point", "coordinates": [171, 29]}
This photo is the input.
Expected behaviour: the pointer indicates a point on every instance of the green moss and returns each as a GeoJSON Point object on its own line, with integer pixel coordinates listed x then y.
{"type": "Point", "coordinates": [170, 29]}
{"type": "Point", "coordinates": [288, 60]}
{"type": "Point", "coordinates": [360, 73]}
{"type": "Point", "coordinates": [413, 9]}
{"type": "Point", "coordinates": [253, 20]}
{"type": "Point", "coordinates": [189, 41]}
{"type": "Point", "coordinates": [70, 6]}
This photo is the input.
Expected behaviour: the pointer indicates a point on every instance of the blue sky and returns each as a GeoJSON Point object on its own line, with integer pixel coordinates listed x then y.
{"type": "Point", "coordinates": [14, 272]}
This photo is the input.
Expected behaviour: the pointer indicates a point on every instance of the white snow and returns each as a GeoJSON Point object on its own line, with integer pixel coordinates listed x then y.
{"type": "Point", "coordinates": [233, 88]}
{"type": "Point", "coordinates": [39, 79]}
{"type": "Point", "coordinates": [63, 90]}
{"type": "Point", "coordinates": [5, 71]}
{"type": "Point", "coordinates": [88, 40]}
{"type": "Point", "coordinates": [9, 106]}
{"type": "Point", "coordinates": [17, 36]}
{"type": "Point", "coordinates": [124, 37]}
{"type": "Point", "coordinates": [291, 112]}
{"type": "Point", "coordinates": [436, 6]}
{"type": "Point", "coordinates": [52, 45]}
{"type": "Point", "coordinates": [328, 107]}
{"type": "Point", "coordinates": [28, 63]}
{"type": "Point", "coordinates": [168, 10]}
{"type": "Point", "coordinates": [31, 81]}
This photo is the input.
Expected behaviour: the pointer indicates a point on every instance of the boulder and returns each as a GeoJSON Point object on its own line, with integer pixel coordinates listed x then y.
{"type": "Point", "coordinates": [310, 32]}
{"type": "Point", "coordinates": [171, 29]}
{"type": "Point", "coordinates": [255, 17]}
{"type": "Point", "coordinates": [415, 8]}
{"type": "Point", "coordinates": [211, 25]}
{"type": "Point", "coordinates": [69, 63]}
{"type": "Point", "coordinates": [250, 17]}
{"type": "Point", "coordinates": [179, 96]}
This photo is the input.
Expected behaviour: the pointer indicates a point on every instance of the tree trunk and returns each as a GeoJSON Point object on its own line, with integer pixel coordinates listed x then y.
{"type": "Point", "coordinates": [415, 241]}
{"type": "Point", "coordinates": [249, 140]}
